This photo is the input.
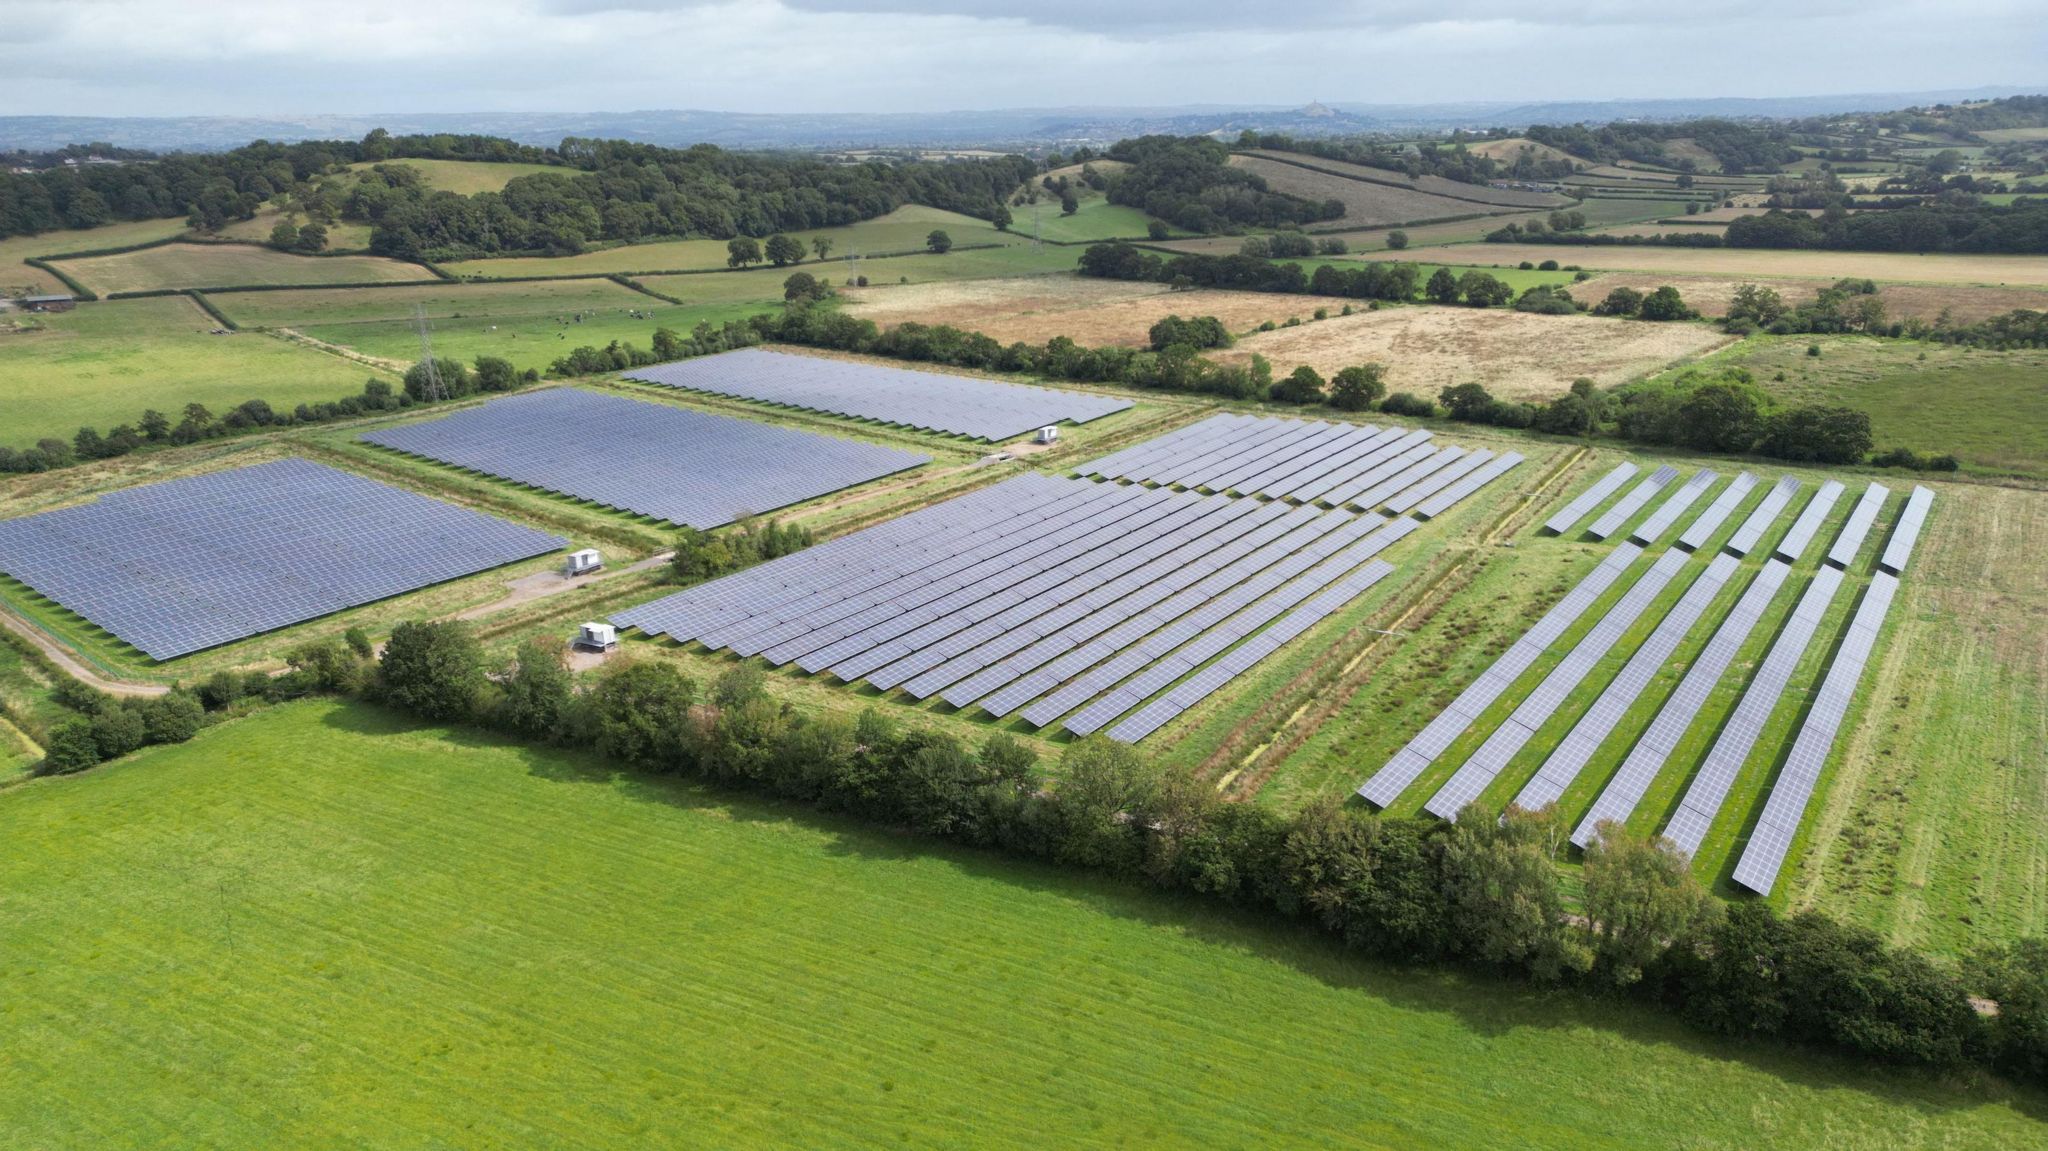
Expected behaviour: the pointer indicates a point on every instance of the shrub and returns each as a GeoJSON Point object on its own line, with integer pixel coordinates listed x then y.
{"type": "Point", "coordinates": [538, 692]}
{"type": "Point", "coordinates": [433, 669]}
{"type": "Point", "coordinates": [72, 746]}
{"type": "Point", "coordinates": [172, 718]}
{"type": "Point", "coordinates": [1358, 388]}
{"type": "Point", "coordinates": [1303, 386]}
{"type": "Point", "coordinates": [1620, 302]}
{"type": "Point", "coordinates": [1408, 404]}
{"type": "Point", "coordinates": [1397, 240]}
{"type": "Point", "coordinates": [118, 731]}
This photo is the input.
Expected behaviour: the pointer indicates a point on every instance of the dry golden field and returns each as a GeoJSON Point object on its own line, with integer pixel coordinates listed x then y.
{"type": "Point", "coordinates": [1089, 311]}
{"type": "Point", "coordinates": [221, 265]}
{"type": "Point", "coordinates": [2029, 271]}
{"type": "Point", "coordinates": [1965, 303]}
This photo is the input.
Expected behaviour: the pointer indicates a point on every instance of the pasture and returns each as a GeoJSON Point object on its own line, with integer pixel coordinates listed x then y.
{"type": "Point", "coordinates": [104, 362]}
{"type": "Point", "coordinates": [468, 177]}
{"type": "Point", "coordinates": [1933, 268]}
{"type": "Point", "coordinates": [441, 939]}
{"type": "Point", "coordinates": [1517, 355]}
{"type": "Point", "coordinates": [902, 230]}
{"type": "Point", "coordinates": [1365, 203]}
{"type": "Point", "coordinates": [1989, 407]}
{"type": "Point", "coordinates": [230, 265]}
{"type": "Point", "coordinates": [18, 278]}
{"type": "Point", "coordinates": [1431, 185]}
{"type": "Point", "coordinates": [342, 235]}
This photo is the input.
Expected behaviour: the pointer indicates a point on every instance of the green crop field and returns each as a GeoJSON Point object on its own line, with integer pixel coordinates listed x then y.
{"type": "Point", "coordinates": [104, 362]}
{"type": "Point", "coordinates": [1987, 406]}
{"type": "Point", "coordinates": [230, 265]}
{"type": "Point", "coordinates": [903, 230]}
{"type": "Point", "coordinates": [1097, 219]}
{"type": "Point", "coordinates": [438, 939]}
{"type": "Point", "coordinates": [468, 177]}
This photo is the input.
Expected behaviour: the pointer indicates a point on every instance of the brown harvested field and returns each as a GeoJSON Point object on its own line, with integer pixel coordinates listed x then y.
{"type": "Point", "coordinates": [1654, 228]}
{"type": "Point", "coordinates": [1515, 354]}
{"type": "Point", "coordinates": [1966, 303]}
{"type": "Point", "coordinates": [1373, 239]}
{"type": "Point", "coordinates": [1364, 203]}
{"type": "Point", "coordinates": [1092, 312]}
{"type": "Point", "coordinates": [231, 265]}
{"type": "Point", "coordinates": [1884, 267]}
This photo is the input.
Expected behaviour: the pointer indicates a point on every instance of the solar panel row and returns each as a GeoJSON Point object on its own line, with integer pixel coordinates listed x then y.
{"type": "Point", "coordinates": [1593, 728]}
{"type": "Point", "coordinates": [172, 568]}
{"type": "Point", "coordinates": [1568, 516]}
{"type": "Point", "coordinates": [1301, 460]}
{"type": "Point", "coordinates": [1646, 759]}
{"type": "Point", "coordinates": [1627, 506]}
{"type": "Point", "coordinates": [1695, 815]}
{"type": "Point", "coordinates": [1702, 529]}
{"type": "Point", "coordinates": [1536, 708]}
{"type": "Point", "coordinates": [657, 460]}
{"type": "Point", "coordinates": [930, 401]}
{"type": "Point", "coordinates": [1772, 837]}
{"type": "Point", "coordinates": [1907, 532]}
{"type": "Point", "coordinates": [1801, 532]}
{"type": "Point", "coordinates": [1752, 530]}
{"type": "Point", "coordinates": [1413, 759]}
{"type": "Point", "coordinates": [1860, 519]}
{"type": "Point", "coordinates": [1660, 521]}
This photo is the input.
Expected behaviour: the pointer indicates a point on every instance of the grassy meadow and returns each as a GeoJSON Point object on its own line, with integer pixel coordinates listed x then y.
{"type": "Point", "coordinates": [468, 177]}
{"type": "Point", "coordinates": [230, 265]}
{"type": "Point", "coordinates": [438, 939]}
{"type": "Point", "coordinates": [104, 362]}
{"type": "Point", "coordinates": [18, 278]}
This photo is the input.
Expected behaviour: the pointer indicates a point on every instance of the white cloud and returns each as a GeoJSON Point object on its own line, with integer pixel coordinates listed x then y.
{"type": "Point", "coordinates": [261, 57]}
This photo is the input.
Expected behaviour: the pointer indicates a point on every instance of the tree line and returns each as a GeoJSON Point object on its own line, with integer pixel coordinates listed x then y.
{"type": "Point", "coordinates": [2017, 228]}
{"type": "Point", "coordinates": [1187, 181]}
{"type": "Point", "coordinates": [1482, 893]}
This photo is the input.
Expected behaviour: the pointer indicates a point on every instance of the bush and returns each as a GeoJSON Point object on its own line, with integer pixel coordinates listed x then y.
{"type": "Point", "coordinates": [118, 731]}
{"type": "Point", "coordinates": [538, 692]}
{"type": "Point", "coordinates": [1408, 404]}
{"type": "Point", "coordinates": [172, 718]}
{"type": "Point", "coordinates": [434, 670]}
{"type": "Point", "coordinates": [1620, 302]}
{"type": "Point", "coordinates": [1303, 386]}
{"type": "Point", "coordinates": [219, 691]}
{"type": "Point", "coordinates": [1397, 240]}
{"type": "Point", "coordinates": [72, 746]}
{"type": "Point", "coordinates": [1358, 388]}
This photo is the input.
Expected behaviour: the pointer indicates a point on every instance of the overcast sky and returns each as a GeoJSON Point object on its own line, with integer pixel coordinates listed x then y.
{"type": "Point", "coordinates": [264, 57]}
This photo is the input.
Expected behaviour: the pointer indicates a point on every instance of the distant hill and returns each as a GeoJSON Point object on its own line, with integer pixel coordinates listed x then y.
{"type": "Point", "coordinates": [1019, 128]}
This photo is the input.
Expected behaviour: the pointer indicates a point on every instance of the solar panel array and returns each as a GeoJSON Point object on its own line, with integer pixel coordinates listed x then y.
{"type": "Point", "coordinates": [1860, 518]}
{"type": "Point", "coordinates": [1305, 461]}
{"type": "Point", "coordinates": [1627, 506]}
{"type": "Point", "coordinates": [930, 401]}
{"type": "Point", "coordinates": [1414, 758]}
{"type": "Point", "coordinates": [172, 568]}
{"type": "Point", "coordinates": [1774, 502]}
{"type": "Point", "coordinates": [650, 459]}
{"type": "Point", "coordinates": [1568, 516]}
{"type": "Point", "coordinates": [1702, 529]}
{"type": "Point", "coordinates": [1907, 532]}
{"type": "Point", "coordinates": [1660, 521]}
{"type": "Point", "coordinates": [1593, 728]}
{"type": "Point", "coordinates": [1772, 836]}
{"type": "Point", "coordinates": [1801, 532]}
{"type": "Point", "coordinates": [1702, 802]}
{"type": "Point", "coordinates": [1646, 759]}
{"type": "Point", "coordinates": [1115, 606]}
{"type": "Point", "coordinates": [1536, 708]}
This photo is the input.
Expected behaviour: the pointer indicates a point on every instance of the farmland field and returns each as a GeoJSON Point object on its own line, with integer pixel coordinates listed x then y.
{"type": "Point", "coordinates": [1965, 303]}
{"type": "Point", "coordinates": [104, 362]}
{"type": "Point", "coordinates": [230, 265]}
{"type": "Point", "coordinates": [1477, 194]}
{"type": "Point", "coordinates": [902, 230]}
{"type": "Point", "coordinates": [17, 277]}
{"type": "Point", "coordinates": [2020, 271]}
{"type": "Point", "coordinates": [442, 940]}
{"type": "Point", "coordinates": [1987, 406]}
{"type": "Point", "coordinates": [342, 235]}
{"type": "Point", "coordinates": [1364, 203]}
{"type": "Point", "coordinates": [1515, 354]}
{"type": "Point", "coordinates": [468, 177]}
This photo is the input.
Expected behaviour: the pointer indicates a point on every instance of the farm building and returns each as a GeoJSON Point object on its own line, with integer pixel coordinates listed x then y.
{"type": "Point", "coordinates": [50, 303]}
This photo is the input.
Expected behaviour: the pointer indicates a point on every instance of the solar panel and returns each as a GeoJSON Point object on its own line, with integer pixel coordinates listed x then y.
{"type": "Point", "coordinates": [657, 460]}
{"type": "Point", "coordinates": [1724, 505]}
{"type": "Point", "coordinates": [1809, 521]}
{"type": "Point", "coordinates": [1581, 505]}
{"type": "Point", "coordinates": [1766, 512]}
{"type": "Point", "coordinates": [935, 401]}
{"type": "Point", "coordinates": [1444, 500]}
{"type": "Point", "coordinates": [1486, 764]}
{"type": "Point", "coordinates": [1772, 837]}
{"type": "Point", "coordinates": [1593, 728]}
{"type": "Point", "coordinates": [1667, 514]}
{"type": "Point", "coordinates": [1695, 815]}
{"type": "Point", "coordinates": [1394, 777]}
{"type": "Point", "coordinates": [1625, 509]}
{"type": "Point", "coordinates": [175, 567]}
{"type": "Point", "coordinates": [1850, 541]}
{"type": "Point", "coordinates": [1907, 532]}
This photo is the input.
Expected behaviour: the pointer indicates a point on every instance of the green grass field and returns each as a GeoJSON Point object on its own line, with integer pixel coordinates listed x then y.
{"type": "Point", "coordinates": [903, 230]}
{"type": "Point", "coordinates": [1987, 406]}
{"type": "Point", "coordinates": [18, 278]}
{"type": "Point", "coordinates": [103, 363]}
{"type": "Point", "coordinates": [468, 177]}
{"type": "Point", "coordinates": [441, 940]}
{"type": "Point", "coordinates": [230, 265]}
{"type": "Point", "coordinates": [342, 235]}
